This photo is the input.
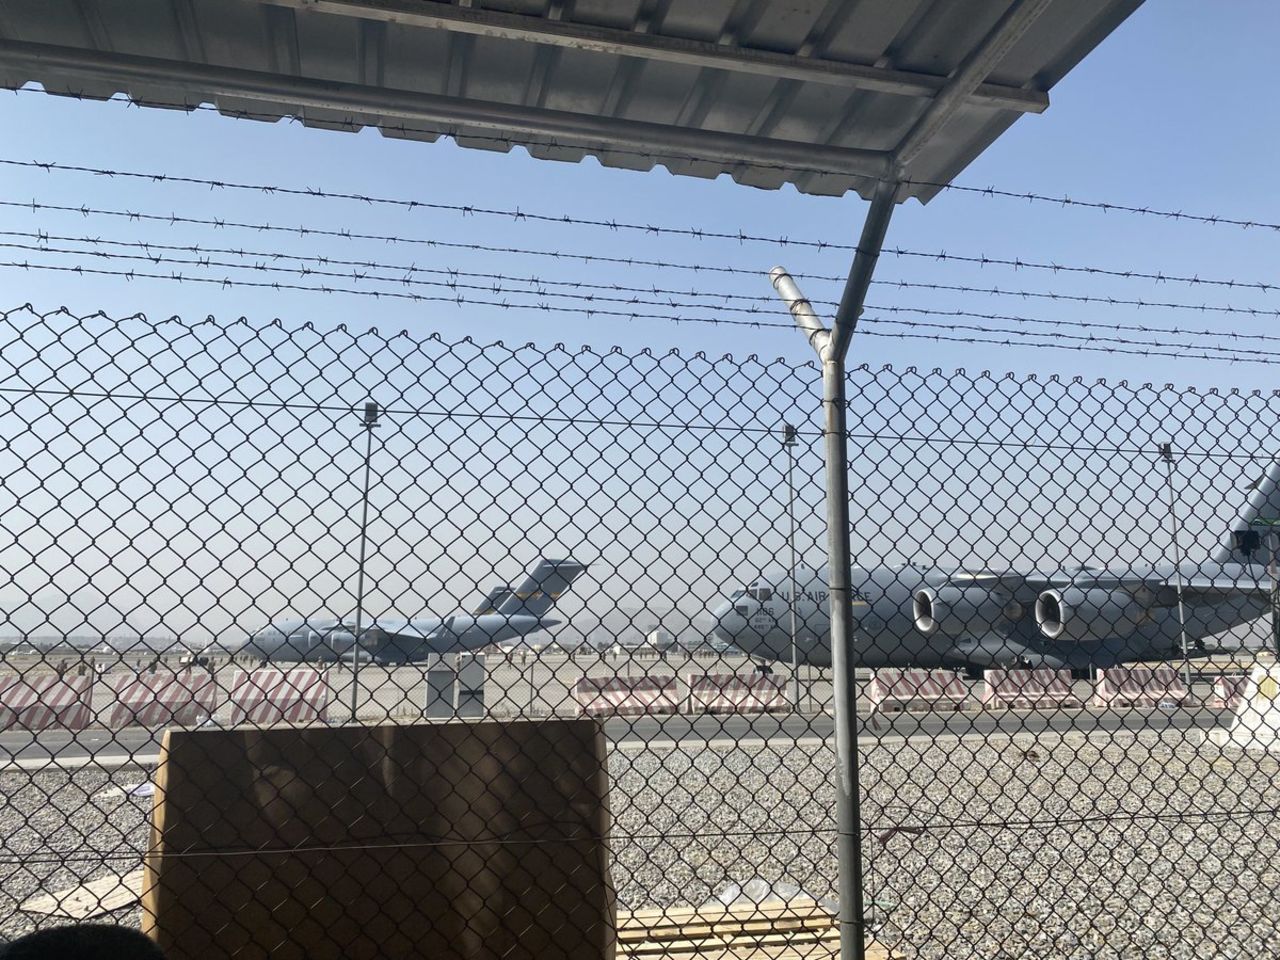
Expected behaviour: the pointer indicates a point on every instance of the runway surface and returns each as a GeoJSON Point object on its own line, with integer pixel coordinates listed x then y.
{"type": "Point", "coordinates": [139, 746]}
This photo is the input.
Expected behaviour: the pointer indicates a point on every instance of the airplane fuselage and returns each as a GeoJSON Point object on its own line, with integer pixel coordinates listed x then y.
{"type": "Point", "coordinates": [388, 641]}
{"type": "Point", "coordinates": [506, 614]}
{"type": "Point", "coordinates": [887, 631]}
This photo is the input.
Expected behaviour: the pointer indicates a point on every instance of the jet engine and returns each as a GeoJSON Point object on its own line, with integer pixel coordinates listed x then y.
{"type": "Point", "coordinates": [1075, 613]}
{"type": "Point", "coordinates": [962, 610]}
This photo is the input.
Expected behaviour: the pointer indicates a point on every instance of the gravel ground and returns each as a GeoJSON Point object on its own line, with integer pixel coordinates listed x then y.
{"type": "Point", "coordinates": [1120, 845]}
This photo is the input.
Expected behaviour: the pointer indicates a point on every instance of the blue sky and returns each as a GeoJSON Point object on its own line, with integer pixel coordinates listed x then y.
{"type": "Point", "coordinates": [1144, 120]}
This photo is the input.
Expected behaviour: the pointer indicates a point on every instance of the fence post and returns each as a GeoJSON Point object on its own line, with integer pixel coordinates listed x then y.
{"type": "Point", "coordinates": [831, 347]}
{"type": "Point", "coordinates": [370, 423]}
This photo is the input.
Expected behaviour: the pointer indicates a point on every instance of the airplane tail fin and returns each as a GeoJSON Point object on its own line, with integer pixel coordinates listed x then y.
{"type": "Point", "coordinates": [493, 601]}
{"type": "Point", "coordinates": [1247, 540]}
{"type": "Point", "coordinates": [544, 585]}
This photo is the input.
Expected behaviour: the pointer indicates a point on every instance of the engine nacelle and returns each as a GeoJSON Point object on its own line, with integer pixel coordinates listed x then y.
{"type": "Point", "coordinates": [956, 611]}
{"type": "Point", "coordinates": [1073, 613]}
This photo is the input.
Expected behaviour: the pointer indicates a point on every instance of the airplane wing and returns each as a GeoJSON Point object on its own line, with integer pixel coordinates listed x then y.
{"type": "Point", "coordinates": [1034, 581]}
{"type": "Point", "coordinates": [1224, 586]}
{"type": "Point", "coordinates": [1250, 582]}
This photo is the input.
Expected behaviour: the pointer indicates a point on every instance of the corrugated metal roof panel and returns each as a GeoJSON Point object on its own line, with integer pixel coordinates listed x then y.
{"type": "Point", "coordinates": [818, 93]}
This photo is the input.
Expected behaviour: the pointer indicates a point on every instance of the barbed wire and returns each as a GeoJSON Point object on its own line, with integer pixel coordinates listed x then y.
{"type": "Point", "coordinates": [1072, 297]}
{"type": "Point", "coordinates": [359, 277]}
{"type": "Point", "coordinates": [1074, 324]}
{"type": "Point", "coordinates": [173, 219]}
{"type": "Point", "coordinates": [497, 278]}
{"type": "Point", "coordinates": [696, 233]}
{"type": "Point", "coordinates": [208, 263]}
{"type": "Point", "coordinates": [1013, 338]}
{"type": "Point", "coordinates": [410, 268]}
{"type": "Point", "coordinates": [351, 124]}
{"type": "Point", "coordinates": [228, 283]}
{"type": "Point", "coordinates": [1180, 354]}
{"type": "Point", "coordinates": [498, 289]}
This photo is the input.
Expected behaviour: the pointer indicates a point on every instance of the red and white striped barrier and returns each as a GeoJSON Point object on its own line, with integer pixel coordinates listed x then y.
{"type": "Point", "coordinates": [736, 693]}
{"type": "Point", "coordinates": [916, 688]}
{"type": "Point", "coordinates": [1228, 691]}
{"type": "Point", "coordinates": [272, 695]}
{"type": "Point", "coordinates": [162, 699]}
{"type": "Point", "coordinates": [626, 696]}
{"type": "Point", "coordinates": [47, 702]}
{"type": "Point", "coordinates": [1027, 689]}
{"type": "Point", "coordinates": [1139, 686]}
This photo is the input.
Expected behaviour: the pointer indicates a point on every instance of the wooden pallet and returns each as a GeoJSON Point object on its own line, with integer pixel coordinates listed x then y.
{"type": "Point", "coordinates": [89, 900]}
{"type": "Point", "coordinates": [800, 929]}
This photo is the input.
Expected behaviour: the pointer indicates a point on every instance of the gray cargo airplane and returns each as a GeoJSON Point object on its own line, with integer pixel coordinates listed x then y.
{"type": "Point", "coordinates": [975, 618]}
{"type": "Point", "coordinates": [504, 614]}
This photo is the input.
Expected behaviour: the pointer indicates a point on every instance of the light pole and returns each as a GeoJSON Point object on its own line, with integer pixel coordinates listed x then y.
{"type": "Point", "coordinates": [370, 423]}
{"type": "Point", "coordinates": [789, 444]}
{"type": "Point", "coordinates": [1166, 453]}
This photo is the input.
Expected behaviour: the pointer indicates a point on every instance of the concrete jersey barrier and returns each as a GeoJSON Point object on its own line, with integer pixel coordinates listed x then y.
{"type": "Point", "coordinates": [46, 703]}
{"type": "Point", "coordinates": [1229, 691]}
{"type": "Point", "coordinates": [1255, 727]}
{"type": "Point", "coordinates": [1028, 689]}
{"type": "Point", "coordinates": [929, 689]}
{"type": "Point", "coordinates": [1140, 686]}
{"type": "Point", "coordinates": [182, 698]}
{"type": "Point", "coordinates": [626, 696]}
{"type": "Point", "coordinates": [272, 695]}
{"type": "Point", "coordinates": [735, 693]}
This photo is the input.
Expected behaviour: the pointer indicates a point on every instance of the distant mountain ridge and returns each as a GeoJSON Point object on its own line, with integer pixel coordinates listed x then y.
{"type": "Point", "coordinates": [629, 626]}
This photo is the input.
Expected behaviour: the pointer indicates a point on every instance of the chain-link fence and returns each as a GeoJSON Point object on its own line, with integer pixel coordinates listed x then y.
{"type": "Point", "coordinates": [1064, 647]}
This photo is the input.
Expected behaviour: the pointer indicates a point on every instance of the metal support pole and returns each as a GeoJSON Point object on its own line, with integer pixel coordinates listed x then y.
{"type": "Point", "coordinates": [1166, 453]}
{"type": "Point", "coordinates": [840, 574]}
{"type": "Point", "coordinates": [864, 265]}
{"type": "Point", "coordinates": [831, 347]}
{"type": "Point", "coordinates": [789, 443]}
{"type": "Point", "coordinates": [370, 423]}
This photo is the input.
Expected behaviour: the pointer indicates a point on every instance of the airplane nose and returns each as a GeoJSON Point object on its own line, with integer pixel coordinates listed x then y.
{"type": "Point", "coordinates": [724, 618]}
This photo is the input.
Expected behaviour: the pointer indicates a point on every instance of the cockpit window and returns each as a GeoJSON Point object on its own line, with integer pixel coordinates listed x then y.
{"type": "Point", "coordinates": [738, 595]}
{"type": "Point", "coordinates": [760, 593]}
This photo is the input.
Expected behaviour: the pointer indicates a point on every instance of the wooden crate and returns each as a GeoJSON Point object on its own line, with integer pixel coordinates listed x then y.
{"type": "Point", "coordinates": [800, 929]}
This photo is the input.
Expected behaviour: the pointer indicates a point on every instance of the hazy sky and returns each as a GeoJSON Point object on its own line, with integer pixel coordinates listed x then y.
{"type": "Point", "coordinates": [1144, 120]}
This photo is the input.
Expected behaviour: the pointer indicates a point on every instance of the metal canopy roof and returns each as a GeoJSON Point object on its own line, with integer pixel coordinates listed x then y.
{"type": "Point", "coordinates": [829, 95]}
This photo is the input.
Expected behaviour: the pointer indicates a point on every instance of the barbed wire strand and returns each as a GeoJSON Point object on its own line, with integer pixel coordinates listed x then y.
{"type": "Point", "coordinates": [174, 219]}
{"type": "Point", "coordinates": [696, 233]}
{"type": "Point", "coordinates": [351, 124]}
{"type": "Point", "coordinates": [1138, 348]}
{"type": "Point", "coordinates": [769, 305]}
{"type": "Point", "coordinates": [496, 289]}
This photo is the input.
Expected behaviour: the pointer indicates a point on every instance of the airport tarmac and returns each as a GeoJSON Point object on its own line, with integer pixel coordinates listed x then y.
{"type": "Point", "coordinates": [540, 686]}
{"type": "Point", "coordinates": [135, 745]}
